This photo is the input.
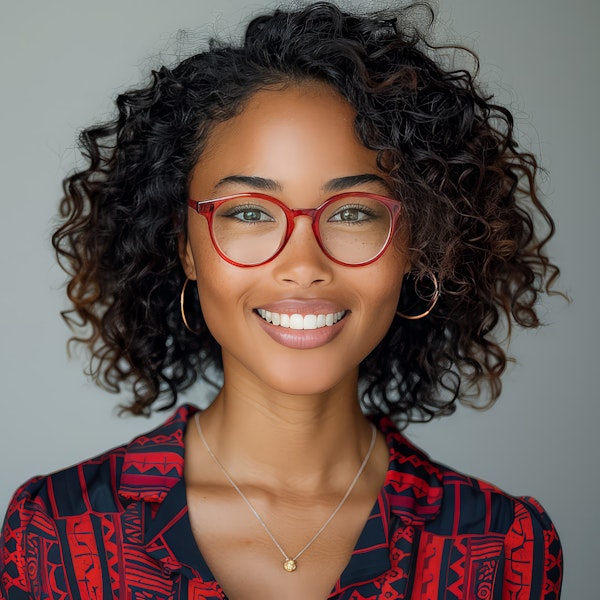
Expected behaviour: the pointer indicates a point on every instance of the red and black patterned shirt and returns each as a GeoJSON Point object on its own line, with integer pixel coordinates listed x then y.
{"type": "Point", "coordinates": [117, 526]}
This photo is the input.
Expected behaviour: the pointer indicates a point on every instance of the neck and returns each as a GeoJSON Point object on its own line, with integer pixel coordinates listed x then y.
{"type": "Point", "coordinates": [293, 441]}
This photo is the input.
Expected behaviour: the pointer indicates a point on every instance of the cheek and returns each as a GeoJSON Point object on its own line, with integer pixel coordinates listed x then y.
{"type": "Point", "coordinates": [218, 305]}
{"type": "Point", "coordinates": [383, 309]}
{"type": "Point", "coordinates": [379, 301]}
{"type": "Point", "coordinates": [388, 280]}
{"type": "Point", "coordinates": [391, 286]}
{"type": "Point", "coordinates": [218, 291]}
{"type": "Point", "coordinates": [215, 281]}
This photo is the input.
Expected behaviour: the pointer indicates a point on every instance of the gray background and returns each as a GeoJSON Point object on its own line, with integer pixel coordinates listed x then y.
{"type": "Point", "coordinates": [61, 64]}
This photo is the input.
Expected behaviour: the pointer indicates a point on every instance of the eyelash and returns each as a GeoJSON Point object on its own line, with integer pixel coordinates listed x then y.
{"type": "Point", "coordinates": [360, 207]}
{"type": "Point", "coordinates": [233, 212]}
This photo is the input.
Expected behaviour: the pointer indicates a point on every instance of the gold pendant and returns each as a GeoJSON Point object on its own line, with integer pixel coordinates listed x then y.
{"type": "Point", "coordinates": [290, 565]}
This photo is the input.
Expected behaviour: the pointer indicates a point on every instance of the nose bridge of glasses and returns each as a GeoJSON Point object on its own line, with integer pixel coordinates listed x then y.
{"type": "Point", "coordinates": [303, 212]}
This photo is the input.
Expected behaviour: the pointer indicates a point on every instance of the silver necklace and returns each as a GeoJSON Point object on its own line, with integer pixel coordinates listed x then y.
{"type": "Point", "coordinates": [289, 564]}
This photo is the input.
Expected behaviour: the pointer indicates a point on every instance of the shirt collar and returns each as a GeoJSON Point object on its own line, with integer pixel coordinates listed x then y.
{"type": "Point", "coordinates": [153, 465]}
{"type": "Point", "coordinates": [153, 462]}
{"type": "Point", "coordinates": [411, 495]}
{"type": "Point", "coordinates": [413, 484]}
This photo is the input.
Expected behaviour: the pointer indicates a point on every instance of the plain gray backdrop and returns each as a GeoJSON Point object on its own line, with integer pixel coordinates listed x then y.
{"type": "Point", "coordinates": [62, 64]}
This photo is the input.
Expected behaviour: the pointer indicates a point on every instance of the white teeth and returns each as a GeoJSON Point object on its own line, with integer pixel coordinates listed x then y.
{"type": "Point", "coordinates": [297, 321]}
{"type": "Point", "coordinates": [309, 322]}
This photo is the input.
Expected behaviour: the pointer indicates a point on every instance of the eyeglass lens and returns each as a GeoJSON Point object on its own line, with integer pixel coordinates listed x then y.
{"type": "Point", "coordinates": [251, 230]}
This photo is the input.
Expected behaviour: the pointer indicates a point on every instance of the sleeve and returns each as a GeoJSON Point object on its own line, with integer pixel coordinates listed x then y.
{"type": "Point", "coordinates": [25, 540]}
{"type": "Point", "coordinates": [533, 555]}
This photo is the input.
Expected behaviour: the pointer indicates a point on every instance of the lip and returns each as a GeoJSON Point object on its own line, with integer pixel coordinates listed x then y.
{"type": "Point", "coordinates": [314, 306]}
{"type": "Point", "coordinates": [302, 339]}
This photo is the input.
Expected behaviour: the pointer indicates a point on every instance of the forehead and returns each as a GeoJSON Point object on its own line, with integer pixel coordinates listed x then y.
{"type": "Point", "coordinates": [296, 132]}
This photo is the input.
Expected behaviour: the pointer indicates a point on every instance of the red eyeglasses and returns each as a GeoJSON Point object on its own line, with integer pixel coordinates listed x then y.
{"type": "Point", "coordinates": [251, 229]}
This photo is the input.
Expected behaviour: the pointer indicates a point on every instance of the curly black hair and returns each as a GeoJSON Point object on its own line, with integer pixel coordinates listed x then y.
{"type": "Point", "coordinates": [470, 197]}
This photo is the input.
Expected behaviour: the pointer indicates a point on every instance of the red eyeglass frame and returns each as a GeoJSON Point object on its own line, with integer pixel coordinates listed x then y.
{"type": "Point", "coordinates": [208, 207]}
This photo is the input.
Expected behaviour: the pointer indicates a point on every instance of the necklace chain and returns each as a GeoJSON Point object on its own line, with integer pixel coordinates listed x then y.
{"type": "Point", "coordinates": [289, 564]}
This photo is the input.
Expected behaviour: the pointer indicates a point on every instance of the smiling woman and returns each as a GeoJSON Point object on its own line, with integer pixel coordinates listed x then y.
{"type": "Point", "coordinates": [300, 141]}
{"type": "Point", "coordinates": [338, 221]}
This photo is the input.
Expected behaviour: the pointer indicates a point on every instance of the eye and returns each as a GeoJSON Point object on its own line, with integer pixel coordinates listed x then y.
{"type": "Point", "coordinates": [248, 213]}
{"type": "Point", "coordinates": [354, 213]}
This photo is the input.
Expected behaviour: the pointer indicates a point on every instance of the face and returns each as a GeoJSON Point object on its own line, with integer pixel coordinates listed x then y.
{"type": "Point", "coordinates": [296, 144]}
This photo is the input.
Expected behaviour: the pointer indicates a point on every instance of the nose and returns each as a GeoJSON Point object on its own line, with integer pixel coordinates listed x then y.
{"type": "Point", "coordinates": [302, 262]}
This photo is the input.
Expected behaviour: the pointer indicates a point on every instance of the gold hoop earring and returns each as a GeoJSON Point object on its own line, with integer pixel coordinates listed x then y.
{"type": "Point", "coordinates": [434, 299]}
{"type": "Point", "coordinates": [182, 308]}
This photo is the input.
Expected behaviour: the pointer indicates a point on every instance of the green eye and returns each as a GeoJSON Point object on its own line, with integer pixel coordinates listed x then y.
{"type": "Point", "coordinates": [248, 214]}
{"type": "Point", "coordinates": [352, 214]}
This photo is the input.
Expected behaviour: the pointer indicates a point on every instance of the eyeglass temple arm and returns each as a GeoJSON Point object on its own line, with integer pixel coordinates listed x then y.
{"type": "Point", "coordinates": [201, 206]}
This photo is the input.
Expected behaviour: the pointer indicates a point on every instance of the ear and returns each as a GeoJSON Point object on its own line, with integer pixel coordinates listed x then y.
{"type": "Point", "coordinates": [186, 257]}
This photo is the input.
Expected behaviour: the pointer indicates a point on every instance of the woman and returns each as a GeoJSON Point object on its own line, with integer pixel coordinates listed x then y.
{"type": "Point", "coordinates": [338, 224]}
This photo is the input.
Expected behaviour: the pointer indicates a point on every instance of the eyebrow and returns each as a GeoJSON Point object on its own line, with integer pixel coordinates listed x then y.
{"type": "Point", "coordinates": [343, 183]}
{"type": "Point", "coordinates": [334, 185]}
{"type": "Point", "coordinates": [259, 183]}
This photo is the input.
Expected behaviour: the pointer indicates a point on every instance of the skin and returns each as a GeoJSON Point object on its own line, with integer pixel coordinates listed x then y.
{"type": "Point", "coordinates": [286, 424]}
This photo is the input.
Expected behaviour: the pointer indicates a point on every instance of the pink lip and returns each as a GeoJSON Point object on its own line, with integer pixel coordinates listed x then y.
{"type": "Point", "coordinates": [302, 307]}
{"type": "Point", "coordinates": [301, 339]}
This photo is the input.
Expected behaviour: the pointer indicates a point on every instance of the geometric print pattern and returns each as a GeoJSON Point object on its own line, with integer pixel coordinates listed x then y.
{"type": "Point", "coordinates": [116, 527]}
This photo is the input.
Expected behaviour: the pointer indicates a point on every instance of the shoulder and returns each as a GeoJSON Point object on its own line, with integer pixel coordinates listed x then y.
{"type": "Point", "coordinates": [147, 466]}
{"type": "Point", "coordinates": [41, 513]}
{"type": "Point", "coordinates": [456, 502]}
{"type": "Point", "coordinates": [80, 488]}
{"type": "Point", "coordinates": [50, 511]}
{"type": "Point", "coordinates": [513, 533]}
{"type": "Point", "coordinates": [461, 515]}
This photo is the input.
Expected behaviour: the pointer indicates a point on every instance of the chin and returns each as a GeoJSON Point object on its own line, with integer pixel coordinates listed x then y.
{"type": "Point", "coordinates": [296, 381]}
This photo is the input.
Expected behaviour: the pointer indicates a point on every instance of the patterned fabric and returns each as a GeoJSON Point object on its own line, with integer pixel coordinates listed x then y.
{"type": "Point", "coordinates": [117, 526]}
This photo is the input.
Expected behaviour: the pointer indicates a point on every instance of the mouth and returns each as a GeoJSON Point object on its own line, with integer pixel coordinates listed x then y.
{"type": "Point", "coordinates": [301, 322]}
